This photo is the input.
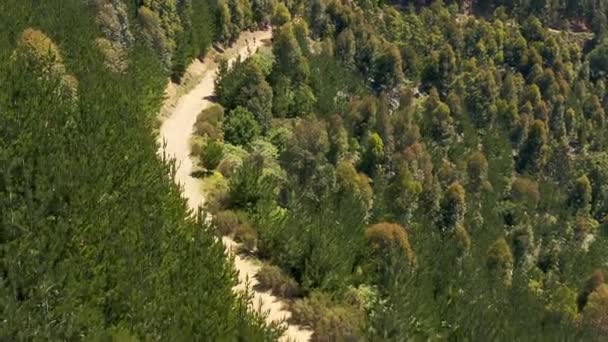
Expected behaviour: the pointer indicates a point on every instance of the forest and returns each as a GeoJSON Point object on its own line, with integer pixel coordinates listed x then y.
{"type": "Point", "coordinates": [403, 170]}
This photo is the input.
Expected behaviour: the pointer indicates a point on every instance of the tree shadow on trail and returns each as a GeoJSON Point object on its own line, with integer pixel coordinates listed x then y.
{"type": "Point", "coordinates": [200, 173]}
{"type": "Point", "coordinates": [211, 98]}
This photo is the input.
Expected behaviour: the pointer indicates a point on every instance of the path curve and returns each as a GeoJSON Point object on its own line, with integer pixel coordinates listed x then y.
{"type": "Point", "coordinates": [176, 131]}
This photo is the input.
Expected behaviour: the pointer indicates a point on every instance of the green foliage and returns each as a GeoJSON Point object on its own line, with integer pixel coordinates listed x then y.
{"type": "Point", "coordinates": [419, 100]}
{"type": "Point", "coordinates": [374, 153]}
{"type": "Point", "coordinates": [249, 185]}
{"type": "Point", "coordinates": [95, 231]}
{"type": "Point", "coordinates": [319, 246]}
{"type": "Point", "coordinates": [281, 15]}
{"type": "Point", "coordinates": [155, 34]}
{"type": "Point", "coordinates": [500, 259]}
{"type": "Point", "coordinates": [349, 181]}
{"type": "Point", "coordinates": [306, 149]}
{"type": "Point", "coordinates": [240, 126]}
{"type": "Point", "coordinates": [289, 60]}
{"type": "Point", "coordinates": [453, 208]}
{"type": "Point", "coordinates": [581, 195]}
{"type": "Point", "coordinates": [500, 106]}
{"type": "Point", "coordinates": [212, 154]}
{"type": "Point", "coordinates": [244, 84]}
{"type": "Point", "coordinates": [598, 60]}
{"type": "Point", "coordinates": [532, 155]}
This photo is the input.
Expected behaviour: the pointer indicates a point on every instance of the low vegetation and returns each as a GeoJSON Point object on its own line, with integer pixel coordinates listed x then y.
{"type": "Point", "coordinates": [274, 279]}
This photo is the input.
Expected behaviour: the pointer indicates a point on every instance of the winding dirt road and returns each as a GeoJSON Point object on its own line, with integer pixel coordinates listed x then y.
{"type": "Point", "coordinates": [176, 131]}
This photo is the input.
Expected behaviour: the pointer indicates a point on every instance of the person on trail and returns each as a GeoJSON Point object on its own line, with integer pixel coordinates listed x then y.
{"type": "Point", "coordinates": [253, 40]}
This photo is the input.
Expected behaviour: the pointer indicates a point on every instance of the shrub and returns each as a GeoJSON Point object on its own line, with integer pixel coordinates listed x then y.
{"type": "Point", "coordinates": [227, 166]}
{"type": "Point", "coordinates": [209, 123]}
{"type": "Point", "coordinates": [226, 222]}
{"type": "Point", "coordinates": [272, 278]}
{"type": "Point", "coordinates": [245, 235]}
{"type": "Point", "coordinates": [214, 115]}
{"type": "Point", "coordinates": [329, 320]}
{"type": "Point", "coordinates": [212, 154]}
{"type": "Point", "coordinates": [196, 149]}
{"type": "Point", "coordinates": [216, 200]}
{"type": "Point", "coordinates": [206, 129]}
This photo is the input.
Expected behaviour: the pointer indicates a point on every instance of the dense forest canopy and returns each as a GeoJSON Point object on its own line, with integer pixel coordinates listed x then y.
{"type": "Point", "coordinates": [426, 171]}
{"type": "Point", "coordinates": [407, 170]}
{"type": "Point", "coordinates": [96, 243]}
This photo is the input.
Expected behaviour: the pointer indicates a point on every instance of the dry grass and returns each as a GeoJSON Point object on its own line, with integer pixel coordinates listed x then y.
{"type": "Point", "coordinates": [274, 279]}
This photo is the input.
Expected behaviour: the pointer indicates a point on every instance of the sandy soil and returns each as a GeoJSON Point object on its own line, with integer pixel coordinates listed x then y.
{"type": "Point", "coordinates": [176, 131]}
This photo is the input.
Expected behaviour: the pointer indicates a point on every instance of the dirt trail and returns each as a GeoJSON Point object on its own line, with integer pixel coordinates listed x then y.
{"type": "Point", "coordinates": [176, 131]}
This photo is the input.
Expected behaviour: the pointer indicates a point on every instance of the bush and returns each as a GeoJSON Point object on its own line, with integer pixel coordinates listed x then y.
{"type": "Point", "coordinates": [212, 154]}
{"type": "Point", "coordinates": [209, 123]}
{"type": "Point", "coordinates": [206, 129]}
{"type": "Point", "coordinates": [329, 320]}
{"type": "Point", "coordinates": [217, 200]}
{"type": "Point", "coordinates": [196, 149]}
{"type": "Point", "coordinates": [272, 278]}
{"type": "Point", "coordinates": [227, 167]}
{"type": "Point", "coordinates": [245, 235]}
{"type": "Point", "coordinates": [226, 222]}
